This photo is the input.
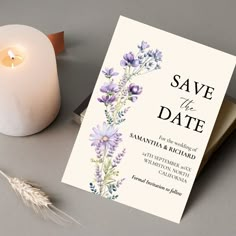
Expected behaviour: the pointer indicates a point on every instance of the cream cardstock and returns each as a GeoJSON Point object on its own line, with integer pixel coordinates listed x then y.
{"type": "Point", "coordinates": [149, 119]}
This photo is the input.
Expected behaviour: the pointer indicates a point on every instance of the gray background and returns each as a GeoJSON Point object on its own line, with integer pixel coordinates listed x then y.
{"type": "Point", "coordinates": [42, 158]}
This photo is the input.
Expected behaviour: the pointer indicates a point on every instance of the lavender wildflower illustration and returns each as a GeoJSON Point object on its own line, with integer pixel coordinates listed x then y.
{"type": "Point", "coordinates": [117, 96]}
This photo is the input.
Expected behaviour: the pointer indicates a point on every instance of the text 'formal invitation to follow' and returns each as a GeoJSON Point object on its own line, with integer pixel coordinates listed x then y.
{"type": "Point", "coordinates": [149, 119]}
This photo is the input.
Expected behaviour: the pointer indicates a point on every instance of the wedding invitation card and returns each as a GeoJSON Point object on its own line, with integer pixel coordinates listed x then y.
{"type": "Point", "coordinates": [149, 119]}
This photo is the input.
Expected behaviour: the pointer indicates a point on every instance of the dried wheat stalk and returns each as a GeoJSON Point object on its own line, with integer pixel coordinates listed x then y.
{"type": "Point", "coordinates": [36, 199]}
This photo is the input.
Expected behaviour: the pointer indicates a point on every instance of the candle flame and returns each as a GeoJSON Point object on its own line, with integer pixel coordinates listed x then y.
{"type": "Point", "coordinates": [11, 54]}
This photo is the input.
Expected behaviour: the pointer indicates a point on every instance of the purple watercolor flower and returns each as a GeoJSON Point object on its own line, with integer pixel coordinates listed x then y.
{"type": "Point", "coordinates": [109, 72]}
{"type": "Point", "coordinates": [143, 46]}
{"type": "Point", "coordinates": [98, 152]}
{"type": "Point", "coordinates": [116, 161]}
{"type": "Point", "coordinates": [157, 55]}
{"type": "Point", "coordinates": [98, 176]}
{"type": "Point", "coordinates": [106, 99]}
{"type": "Point", "coordinates": [150, 53]}
{"type": "Point", "coordinates": [151, 65]}
{"type": "Point", "coordinates": [109, 88]}
{"type": "Point", "coordinates": [135, 89]}
{"type": "Point", "coordinates": [105, 137]}
{"type": "Point", "coordinates": [129, 60]}
{"type": "Point", "coordinates": [133, 98]}
{"type": "Point", "coordinates": [120, 182]}
{"type": "Point", "coordinates": [142, 58]}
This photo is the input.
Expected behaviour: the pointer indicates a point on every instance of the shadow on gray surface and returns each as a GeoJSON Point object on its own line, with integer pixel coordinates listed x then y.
{"type": "Point", "coordinates": [77, 79]}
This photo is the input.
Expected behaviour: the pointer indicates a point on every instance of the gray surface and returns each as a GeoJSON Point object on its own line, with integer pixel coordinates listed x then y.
{"type": "Point", "coordinates": [42, 158]}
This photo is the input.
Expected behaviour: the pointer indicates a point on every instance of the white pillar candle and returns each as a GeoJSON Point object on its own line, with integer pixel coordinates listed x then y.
{"type": "Point", "coordinates": [29, 87]}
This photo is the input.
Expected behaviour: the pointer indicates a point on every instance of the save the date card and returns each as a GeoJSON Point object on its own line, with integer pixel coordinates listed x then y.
{"type": "Point", "coordinates": [149, 120]}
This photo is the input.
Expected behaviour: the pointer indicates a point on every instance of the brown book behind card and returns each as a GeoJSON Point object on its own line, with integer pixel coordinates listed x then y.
{"type": "Point", "coordinates": [224, 126]}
